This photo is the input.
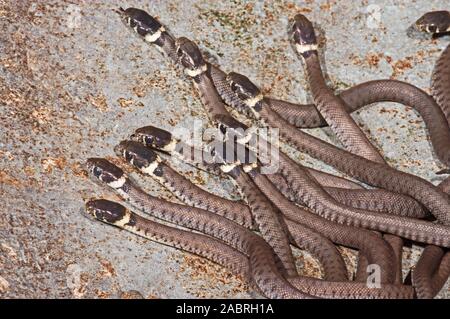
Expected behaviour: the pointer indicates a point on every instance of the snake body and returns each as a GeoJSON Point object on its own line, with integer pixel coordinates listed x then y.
{"type": "Point", "coordinates": [374, 247]}
{"type": "Point", "coordinates": [303, 236]}
{"type": "Point", "coordinates": [376, 200]}
{"type": "Point", "coordinates": [216, 251]}
{"type": "Point", "coordinates": [330, 106]}
{"type": "Point", "coordinates": [267, 261]}
{"type": "Point", "coordinates": [264, 268]}
{"type": "Point", "coordinates": [204, 246]}
{"type": "Point", "coordinates": [307, 116]}
{"type": "Point", "coordinates": [355, 166]}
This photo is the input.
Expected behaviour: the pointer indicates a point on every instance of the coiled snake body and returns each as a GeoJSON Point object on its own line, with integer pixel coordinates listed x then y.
{"type": "Point", "coordinates": [266, 262]}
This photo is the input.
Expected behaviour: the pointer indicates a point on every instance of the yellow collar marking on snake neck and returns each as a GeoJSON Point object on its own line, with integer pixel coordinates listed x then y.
{"type": "Point", "coordinates": [252, 101]}
{"type": "Point", "coordinates": [171, 146]}
{"type": "Point", "coordinates": [124, 220]}
{"type": "Point", "coordinates": [226, 168]}
{"type": "Point", "coordinates": [151, 167]}
{"type": "Point", "coordinates": [118, 183]}
{"type": "Point", "coordinates": [155, 36]}
{"type": "Point", "coordinates": [247, 168]}
{"type": "Point", "coordinates": [302, 48]}
{"type": "Point", "coordinates": [198, 71]}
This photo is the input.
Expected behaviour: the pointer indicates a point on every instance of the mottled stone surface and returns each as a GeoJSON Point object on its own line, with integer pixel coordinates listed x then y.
{"type": "Point", "coordinates": [74, 82]}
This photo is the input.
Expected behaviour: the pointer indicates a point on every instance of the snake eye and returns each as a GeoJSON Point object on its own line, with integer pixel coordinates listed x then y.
{"type": "Point", "coordinates": [97, 172]}
{"type": "Point", "coordinates": [179, 52]}
{"type": "Point", "coordinates": [132, 23]}
{"type": "Point", "coordinates": [223, 129]}
{"type": "Point", "coordinates": [127, 156]}
{"type": "Point", "coordinates": [234, 86]}
{"type": "Point", "coordinates": [432, 28]}
{"type": "Point", "coordinates": [148, 140]}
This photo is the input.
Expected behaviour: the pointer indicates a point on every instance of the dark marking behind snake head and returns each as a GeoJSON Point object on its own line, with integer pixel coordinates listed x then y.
{"type": "Point", "coordinates": [104, 170]}
{"type": "Point", "coordinates": [303, 33]}
{"type": "Point", "coordinates": [228, 123]}
{"type": "Point", "coordinates": [140, 21]}
{"type": "Point", "coordinates": [434, 22]}
{"type": "Point", "coordinates": [189, 54]}
{"type": "Point", "coordinates": [152, 137]}
{"type": "Point", "coordinates": [136, 154]}
{"type": "Point", "coordinates": [107, 211]}
{"type": "Point", "coordinates": [244, 88]}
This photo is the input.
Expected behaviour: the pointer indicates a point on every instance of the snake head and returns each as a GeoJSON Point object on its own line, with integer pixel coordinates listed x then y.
{"type": "Point", "coordinates": [190, 57]}
{"type": "Point", "coordinates": [142, 23]}
{"type": "Point", "coordinates": [434, 22]}
{"type": "Point", "coordinates": [153, 137]}
{"type": "Point", "coordinates": [109, 212]}
{"type": "Point", "coordinates": [106, 172]}
{"type": "Point", "coordinates": [143, 158]}
{"type": "Point", "coordinates": [244, 89]}
{"type": "Point", "coordinates": [303, 35]}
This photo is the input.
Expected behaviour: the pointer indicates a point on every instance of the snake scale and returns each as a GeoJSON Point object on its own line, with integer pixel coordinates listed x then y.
{"type": "Point", "coordinates": [299, 206]}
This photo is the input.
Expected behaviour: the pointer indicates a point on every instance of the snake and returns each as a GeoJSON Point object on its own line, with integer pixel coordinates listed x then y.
{"type": "Point", "coordinates": [438, 22]}
{"type": "Point", "coordinates": [207, 247]}
{"type": "Point", "coordinates": [191, 59]}
{"type": "Point", "coordinates": [115, 214]}
{"type": "Point", "coordinates": [145, 161]}
{"type": "Point", "coordinates": [268, 223]}
{"type": "Point", "coordinates": [303, 237]}
{"type": "Point", "coordinates": [433, 268]}
{"type": "Point", "coordinates": [330, 106]}
{"type": "Point", "coordinates": [157, 39]}
{"type": "Point", "coordinates": [355, 166]}
{"type": "Point", "coordinates": [264, 269]}
{"type": "Point", "coordinates": [369, 245]}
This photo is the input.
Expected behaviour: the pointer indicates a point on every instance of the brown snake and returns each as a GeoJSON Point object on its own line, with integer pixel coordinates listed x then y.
{"type": "Point", "coordinates": [372, 246]}
{"type": "Point", "coordinates": [265, 272]}
{"type": "Point", "coordinates": [190, 59]}
{"type": "Point", "coordinates": [265, 269]}
{"type": "Point", "coordinates": [143, 159]}
{"type": "Point", "coordinates": [202, 245]}
{"type": "Point", "coordinates": [189, 193]}
{"type": "Point", "coordinates": [195, 60]}
{"type": "Point", "coordinates": [330, 106]}
{"type": "Point", "coordinates": [355, 166]}
{"type": "Point", "coordinates": [215, 250]}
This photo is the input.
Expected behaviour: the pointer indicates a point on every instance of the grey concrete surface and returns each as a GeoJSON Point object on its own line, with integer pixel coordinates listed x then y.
{"type": "Point", "coordinates": [74, 82]}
